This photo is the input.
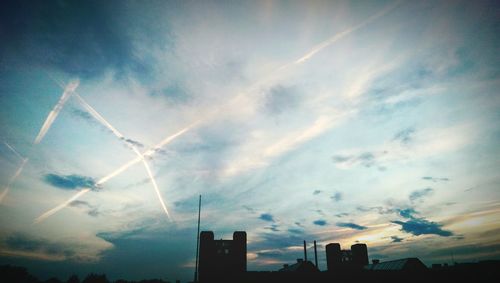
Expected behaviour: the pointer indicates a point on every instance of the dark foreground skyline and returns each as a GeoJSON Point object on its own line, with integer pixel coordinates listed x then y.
{"type": "Point", "coordinates": [225, 260]}
{"type": "Point", "coordinates": [335, 121]}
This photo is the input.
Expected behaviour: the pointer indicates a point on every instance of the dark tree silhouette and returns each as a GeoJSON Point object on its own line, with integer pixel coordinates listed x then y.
{"type": "Point", "coordinates": [95, 278]}
{"type": "Point", "coordinates": [52, 280]}
{"type": "Point", "coordinates": [73, 279]}
{"type": "Point", "coordinates": [15, 274]}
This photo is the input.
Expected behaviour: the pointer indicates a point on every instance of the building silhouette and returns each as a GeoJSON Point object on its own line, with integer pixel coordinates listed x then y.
{"type": "Point", "coordinates": [222, 258]}
{"type": "Point", "coordinates": [301, 265]}
{"type": "Point", "coordinates": [341, 260]}
{"type": "Point", "coordinates": [405, 264]}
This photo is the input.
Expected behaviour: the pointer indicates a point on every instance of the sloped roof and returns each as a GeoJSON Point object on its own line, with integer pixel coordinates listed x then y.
{"type": "Point", "coordinates": [302, 266]}
{"type": "Point", "coordinates": [398, 265]}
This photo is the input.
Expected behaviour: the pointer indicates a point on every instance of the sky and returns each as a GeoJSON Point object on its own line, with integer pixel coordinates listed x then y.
{"type": "Point", "coordinates": [335, 121]}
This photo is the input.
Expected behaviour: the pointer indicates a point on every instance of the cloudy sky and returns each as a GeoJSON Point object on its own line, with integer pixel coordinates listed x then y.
{"type": "Point", "coordinates": [369, 121]}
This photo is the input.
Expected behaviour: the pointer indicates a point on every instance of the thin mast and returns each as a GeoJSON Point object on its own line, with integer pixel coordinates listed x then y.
{"type": "Point", "coordinates": [197, 242]}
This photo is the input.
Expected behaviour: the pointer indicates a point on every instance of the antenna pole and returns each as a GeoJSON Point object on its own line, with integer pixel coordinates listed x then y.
{"type": "Point", "coordinates": [315, 255]}
{"type": "Point", "coordinates": [305, 251]}
{"type": "Point", "coordinates": [197, 242]}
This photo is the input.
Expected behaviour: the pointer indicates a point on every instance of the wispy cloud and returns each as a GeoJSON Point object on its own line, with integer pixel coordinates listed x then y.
{"type": "Point", "coordinates": [418, 194]}
{"type": "Point", "coordinates": [405, 136]}
{"type": "Point", "coordinates": [366, 159]}
{"type": "Point", "coordinates": [337, 197]}
{"type": "Point", "coordinates": [435, 179]}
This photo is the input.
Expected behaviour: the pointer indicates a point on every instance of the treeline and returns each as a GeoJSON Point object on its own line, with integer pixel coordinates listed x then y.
{"type": "Point", "coordinates": [16, 274]}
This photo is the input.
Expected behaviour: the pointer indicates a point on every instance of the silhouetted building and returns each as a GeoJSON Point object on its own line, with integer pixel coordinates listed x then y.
{"type": "Point", "coordinates": [405, 264]}
{"type": "Point", "coordinates": [359, 254]}
{"type": "Point", "coordinates": [338, 260]}
{"type": "Point", "coordinates": [222, 258]}
{"type": "Point", "coordinates": [333, 257]}
{"type": "Point", "coordinates": [300, 266]}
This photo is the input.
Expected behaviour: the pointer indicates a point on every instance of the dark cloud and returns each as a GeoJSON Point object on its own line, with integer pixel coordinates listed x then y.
{"type": "Point", "coordinates": [420, 193]}
{"type": "Point", "coordinates": [70, 182]}
{"type": "Point", "coordinates": [320, 222]}
{"type": "Point", "coordinates": [419, 226]}
{"type": "Point", "coordinates": [396, 239]}
{"type": "Point", "coordinates": [60, 35]}
{"type": "Point", "coordinates": [316, 192]}
{"type": "Point", "coordinates": [266, 217]}
{"type": "Point", "coordinates": [351, 225]}
{"type": "Point", "coordinates": [337, 197]}
{"type": "Point", "coordinates": [407, 212]}
{"type": "Point", "coordinates": [405, 136]}
{"type": "Point", "coordinates": [151, 247]}
{"type": "Point", "coordinates": [281, 98]}
{"type": "Point", "coordinates": [435, 179]}
{"type": "Point", "coordinates": [23, 242]}
{"type": "Point", "coordinates": [343, 214]}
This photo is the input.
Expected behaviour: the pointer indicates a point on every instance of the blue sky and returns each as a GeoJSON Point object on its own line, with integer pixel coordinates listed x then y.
{"type": "Point", "coordinates": [332, 121]}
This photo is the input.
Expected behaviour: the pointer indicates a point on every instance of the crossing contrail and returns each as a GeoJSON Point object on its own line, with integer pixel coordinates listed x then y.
{"type": "Point", "coordinates": [124, 167]}
{"type": "Point", "coordinates": [70, 88]}
{"type": "Point", "coordinates": [13, 179]}
{"type": "Point", "coordinates": [117, 133]}
{"type": "Point", "coordinates": [168, 139]}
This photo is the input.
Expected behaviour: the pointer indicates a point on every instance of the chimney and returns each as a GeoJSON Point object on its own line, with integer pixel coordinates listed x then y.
{"type": "Point", "coordinates": [305, 251]}
{"type": "Point", "coordinates": [315, 255]}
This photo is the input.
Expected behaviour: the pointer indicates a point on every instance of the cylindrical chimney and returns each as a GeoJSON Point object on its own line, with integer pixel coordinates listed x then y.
{"type": "Point", "coordinates": [305, 251]}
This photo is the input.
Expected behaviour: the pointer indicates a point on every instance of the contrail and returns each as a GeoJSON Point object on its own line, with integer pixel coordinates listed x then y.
{"type": "Point", "coordinates": [167, 140]}
{"type": "Point", "coordinates": [61, 206]}
{"type": "Point", "coordinates": [117, 133]}
{"type": "Point", "coordinates": [70, 88]}
{"type": "Point", "coordinates": [341, 35]}
{"type": "Point", "coordinates": [118, 171]}
{"type": "Point", "coordinates": [13, 179]}
{"type": "Point", "coordinates": [147, 153]}
{"type": "Point", "coordinates": [13, 150]}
